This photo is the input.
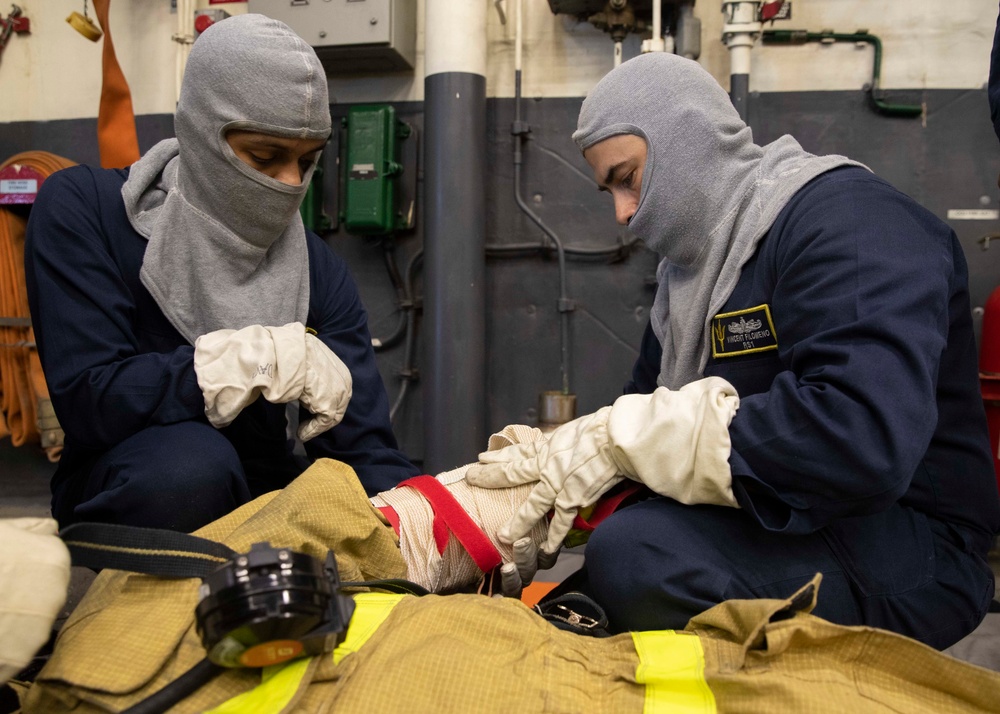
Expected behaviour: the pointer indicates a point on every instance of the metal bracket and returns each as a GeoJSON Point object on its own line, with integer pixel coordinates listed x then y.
{"type": "Point", "coordinates": [985, 240]}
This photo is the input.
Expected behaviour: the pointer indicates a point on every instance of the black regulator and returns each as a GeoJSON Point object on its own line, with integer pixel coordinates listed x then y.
{"type": "Point", "coordinates": [267, 606]}
{"type": "Point", "coordinates": [271, 605]}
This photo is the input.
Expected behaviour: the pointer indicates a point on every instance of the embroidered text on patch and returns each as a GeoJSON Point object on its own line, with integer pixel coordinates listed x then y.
{"type": "Point", "coordinates": [743, 332]}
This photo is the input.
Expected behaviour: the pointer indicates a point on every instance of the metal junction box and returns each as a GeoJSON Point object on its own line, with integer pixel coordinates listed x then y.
{"type": "Point", "coordinates": [351, 36]}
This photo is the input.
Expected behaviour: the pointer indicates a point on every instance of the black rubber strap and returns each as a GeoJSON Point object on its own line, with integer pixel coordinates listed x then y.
{"type": "Point", "coordinates": [392, 585]}
{"type": "Point", "coordinates": [152, 551]}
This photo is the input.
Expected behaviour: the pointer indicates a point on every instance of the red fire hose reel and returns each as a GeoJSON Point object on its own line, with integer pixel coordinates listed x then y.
{"type": "Point", "coordinates": [989, 372]}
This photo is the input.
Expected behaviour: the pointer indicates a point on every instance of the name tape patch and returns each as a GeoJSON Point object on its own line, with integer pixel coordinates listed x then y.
{"type": "Point", "coordinates": [743, 332]}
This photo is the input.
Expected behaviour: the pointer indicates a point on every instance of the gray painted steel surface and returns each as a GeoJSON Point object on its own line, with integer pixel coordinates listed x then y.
{"type": "Point", "coordinates": [455, 269]}
{"type": "Point", "coordinates": [947, 160]}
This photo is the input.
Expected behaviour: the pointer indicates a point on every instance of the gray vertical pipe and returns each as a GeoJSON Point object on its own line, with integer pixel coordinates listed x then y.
{"type": "Point", "coordinates": [454, 269]}
{"type": "Point", "coordinates": [739, 90]}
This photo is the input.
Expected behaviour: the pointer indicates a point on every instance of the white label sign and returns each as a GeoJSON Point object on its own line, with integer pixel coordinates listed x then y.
{"type": "Point", "coordinates": [973, 214]}
{"type": "Point", "coordinates": [19, 186]}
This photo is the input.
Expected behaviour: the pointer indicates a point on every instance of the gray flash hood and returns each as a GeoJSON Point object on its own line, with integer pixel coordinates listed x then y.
{"type": "Point", "coordinates": [709, 193]}
{"type": "Point", "coordinates": [226, 244]}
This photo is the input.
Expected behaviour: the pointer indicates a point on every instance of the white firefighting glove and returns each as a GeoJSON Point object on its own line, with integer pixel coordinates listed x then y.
{"type": "Point", "coordinates": [528, 560]}
{"type": "Point", "coordinates": [34, 577]}
{"type": "Point", "coordinates": [281, 364]}
{"type": "Point", "coordinates": [327, 389]}
{"type": "Point", "coordinates": [675, 442]}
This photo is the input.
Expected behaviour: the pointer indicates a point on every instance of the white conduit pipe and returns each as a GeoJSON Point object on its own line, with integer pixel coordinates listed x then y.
{"type": "Point", "coordinates": [739, 33]}
{"type": "Point", "coordinates": [657, 44]}
{"type": "Point", "coordinates": [739, 57]}
{"type": "Point", "coordinates": [455, 37]}
{"type": "Point", "coordinates": [654, 43]}
{"type": "Point", "coordinates": [184, 37]}
{"type": "Point", "coordinates": [518, 27]}
{"type": "Point", "coordinates": [178, 57]}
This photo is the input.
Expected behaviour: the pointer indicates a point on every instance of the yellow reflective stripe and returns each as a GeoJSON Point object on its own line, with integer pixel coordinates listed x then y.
{"type": "Point", "coordinates": [370, 611]}
{"type": "Point", "coordinates": [279, 684]}
{"type": "Point", "coordinates": [672, 666]}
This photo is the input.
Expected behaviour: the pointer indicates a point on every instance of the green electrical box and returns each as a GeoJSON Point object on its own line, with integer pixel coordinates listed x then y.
{"type": "Point", "coordinates": [371, 169]}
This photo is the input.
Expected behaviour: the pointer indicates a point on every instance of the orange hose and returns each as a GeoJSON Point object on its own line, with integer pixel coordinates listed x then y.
{"type": "Point", "coordinates": [116, 135]}
{"type": "Point", "coordinates": [24, 396]}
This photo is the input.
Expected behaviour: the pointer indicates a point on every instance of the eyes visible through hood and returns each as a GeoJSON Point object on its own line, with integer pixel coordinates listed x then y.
{"type": "Point", "coordinates": [618, 163]}
{"type": "Point", "coordinates": [281, 158]}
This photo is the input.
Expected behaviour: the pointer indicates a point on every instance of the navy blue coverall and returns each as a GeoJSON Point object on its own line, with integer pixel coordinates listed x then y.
{"type": "Point", "coordinates": [138, 448]}
{"type": "Point", "coordinates": [860, 448]}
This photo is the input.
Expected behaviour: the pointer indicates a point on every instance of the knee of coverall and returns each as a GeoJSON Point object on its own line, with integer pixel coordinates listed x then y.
{"type": "Point", "coordinates": [179, 476]}
{"type": "Point", "coordinates": [647, 572]}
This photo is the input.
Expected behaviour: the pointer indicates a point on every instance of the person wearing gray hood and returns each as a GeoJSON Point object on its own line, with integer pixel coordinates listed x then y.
{"type": "Point", "coordinates": [806, 397]}
{"type": "Point", "coordinates": [180, 304]}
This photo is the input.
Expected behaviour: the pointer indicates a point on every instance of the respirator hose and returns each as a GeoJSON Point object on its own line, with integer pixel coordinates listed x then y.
{"type": "Point", "coordinates": [188, 683]}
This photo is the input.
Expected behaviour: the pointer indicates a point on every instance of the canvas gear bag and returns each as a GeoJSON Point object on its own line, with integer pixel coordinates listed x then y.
{"type": "Point", "coordinates": [133, 634]}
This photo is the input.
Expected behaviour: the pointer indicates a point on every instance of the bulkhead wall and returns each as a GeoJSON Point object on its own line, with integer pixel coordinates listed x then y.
{"type": "Point", "coordinates": [946, 159]}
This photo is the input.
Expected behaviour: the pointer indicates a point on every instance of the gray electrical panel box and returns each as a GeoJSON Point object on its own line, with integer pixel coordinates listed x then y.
{"type": "Point", "coordinates": [351, 35]}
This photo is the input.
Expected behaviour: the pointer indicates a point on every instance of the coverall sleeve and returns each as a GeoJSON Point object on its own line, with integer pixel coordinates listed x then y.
{"type": "Point", "coordinates": [862, 284]}
{"type": "Point", "coordinates": [83, 314]}
{"type": "Point", "coordinates": [364, 438]}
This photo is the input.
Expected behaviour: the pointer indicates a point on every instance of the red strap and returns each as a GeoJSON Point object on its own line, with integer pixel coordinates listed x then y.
{"type": "Point", "coordinates": [390, 515]}
{"type": "Point", "coordinates": [604, 508]}
{"type": "Point", "coordinates": [450, 516]}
